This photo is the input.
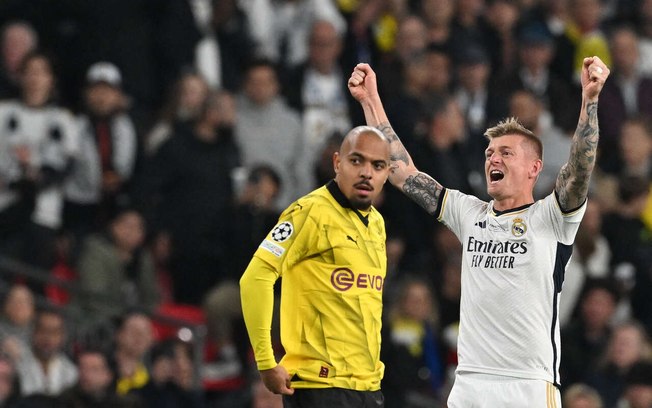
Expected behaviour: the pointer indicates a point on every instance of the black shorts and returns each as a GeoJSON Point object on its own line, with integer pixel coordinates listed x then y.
{"type": "Point", "coordinates": [333, 398]}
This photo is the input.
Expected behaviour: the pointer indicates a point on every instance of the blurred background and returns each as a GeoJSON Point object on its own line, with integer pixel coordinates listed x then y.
{"type": "Point", "coordinates": [148, 146]}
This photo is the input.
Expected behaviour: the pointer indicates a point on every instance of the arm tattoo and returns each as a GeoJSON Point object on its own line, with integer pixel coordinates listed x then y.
{"type": "Point", "coordinates": [573, 181]}
{"type": "Point", "coordinates": [397, 150]}
{"type": "Point", "coordinates": [423, 190]}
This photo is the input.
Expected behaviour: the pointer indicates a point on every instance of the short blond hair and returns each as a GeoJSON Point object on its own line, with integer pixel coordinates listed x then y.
{"type": "Point", "coordinates": [511, 126]}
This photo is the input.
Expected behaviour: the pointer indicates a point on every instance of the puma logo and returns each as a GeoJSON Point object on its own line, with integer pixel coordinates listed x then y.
{"type": "Point", "coordinates": [351, 239]}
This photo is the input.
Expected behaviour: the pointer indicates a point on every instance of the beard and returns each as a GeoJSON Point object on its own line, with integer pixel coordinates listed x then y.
{"type": "Point", "coordinates": [360, 204]}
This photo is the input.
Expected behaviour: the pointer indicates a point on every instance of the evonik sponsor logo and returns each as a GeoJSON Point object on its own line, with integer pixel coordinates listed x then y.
{"type": "Point", "coordinates": [344, 279]}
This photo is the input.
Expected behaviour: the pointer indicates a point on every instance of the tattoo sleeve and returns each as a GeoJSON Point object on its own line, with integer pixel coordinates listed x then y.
{"type": "Point", "coordinates": [423, 190]}
{"type": "Point", "coordinates": [573, 181]}
{"type": "Point", "coordinates": [418, 186]}
{"type": "Point", "coordinates": [397, 153]}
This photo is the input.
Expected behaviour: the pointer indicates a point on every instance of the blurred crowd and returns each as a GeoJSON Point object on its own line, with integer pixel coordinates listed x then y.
{"type": "Point", "coordinates": [148, 146]}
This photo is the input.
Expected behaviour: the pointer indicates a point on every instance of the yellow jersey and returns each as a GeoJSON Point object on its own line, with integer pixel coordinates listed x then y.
{"type": "Point", "coordinates": [332, 260]}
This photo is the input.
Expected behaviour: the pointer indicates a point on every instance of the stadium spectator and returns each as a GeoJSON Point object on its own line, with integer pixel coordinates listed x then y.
{"type": "Point", "coordinates": [163, 390]}
{"type": "Point", "coordinates": [183, 106]}
{"type": "Point", "coordinates": [581, 396]}
{"type": "Point", "coordinates": [501, 19]}
{"type": "Point", "coordinates": [9, 383]}
{"type": "Point", "coordinates": [108, 145]}
{"type": "Point", "coordinates": [591, 260]}
{"type": "Point", "coordinates": [624, 97]}
{"type": "Point", "coordinates": [411, 41]}
{"type": "Point", "coordinates": [582, 35]}
{"type": "Point", "coordinates": [38, 143]}
{"type": "Point", "coordinates": [269, 132]}
{"type": "Point", "coordinates": [536, 49]}
{"type": "Point", "coordinates": [133, 339]}
{"type": "Point", "coordinates": [628, 345]}
{"type": "Point", "coordinates": [254, 215]}
{"type": "Point", "coordinates": [477, 96]}
{"type": "Point", "coordinates": [317, 89]}
{"type": "Point", "coordinates": [46, 369]}
{"type": "Point", "coordinates": [282, 28]}
{"type": "Point", "coordinates": [411, 349]}
{"type": "Point", "coordinates": [629, 238]}
{"type": "Point", "coordinates": [186, 191]}
{"type": "Point", "coordinates": [643, 23]}
{"type": "Point", "coordinates": [17, 322]}
{"type": "Point", "coordinates": [17, 39]}
{"type": "Point", "coordinates": [227, 46]}
{"type": "Point", "coordinates": [96, 385]}
{"type": "Point", "coordinates": [587, 336]}
{"type": "Point", "coordinates": [417, 86]}
{"type": "Point", "coordinates": [115, 270]}
{"type": "Point", "coordinates": [638, 392]}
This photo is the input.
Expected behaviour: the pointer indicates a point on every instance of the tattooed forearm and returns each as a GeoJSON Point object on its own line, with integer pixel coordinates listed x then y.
{"type": "Point", "coordinates": [397, 150]}
{"type": "Point", "coordinates": [573, 181]}
{"type": "Point", "coordinates": [423, 190]}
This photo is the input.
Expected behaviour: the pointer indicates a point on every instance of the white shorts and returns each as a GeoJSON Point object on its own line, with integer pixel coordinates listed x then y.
{"type": "Point", "coordinates": [475, 390]}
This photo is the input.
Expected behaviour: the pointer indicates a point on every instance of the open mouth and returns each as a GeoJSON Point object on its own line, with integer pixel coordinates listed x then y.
{"type": "Point", "coordinates": [496, 175]}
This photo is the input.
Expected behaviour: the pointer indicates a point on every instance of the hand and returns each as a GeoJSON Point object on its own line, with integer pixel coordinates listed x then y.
{"type": "Point", "coordinates": [277, 380]}
{"type": "Point", "coordinates": [594, 75]}
{"type": "Point", "coordinates": [362, 83]}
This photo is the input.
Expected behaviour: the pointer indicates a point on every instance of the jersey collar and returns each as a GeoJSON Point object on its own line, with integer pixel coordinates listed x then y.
{"type": "Point", "coordinates": [341, 199]}
{"type": "Point", "coordinates": [523, 207]}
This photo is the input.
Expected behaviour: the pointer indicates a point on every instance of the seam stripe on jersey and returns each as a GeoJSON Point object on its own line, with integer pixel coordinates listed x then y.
{"type": "Point", "coordinates": [553, 395]}
{"type": "Point", "coordinates": [561, 260]}
{"type": "Point", "coordinates": [440, 203]}
{"type": "Point", "coordinates": [570, 212]}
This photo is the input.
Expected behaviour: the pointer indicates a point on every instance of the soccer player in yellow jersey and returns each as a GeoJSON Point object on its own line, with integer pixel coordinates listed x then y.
{"type": "Point", "coordinates": [329, 248]}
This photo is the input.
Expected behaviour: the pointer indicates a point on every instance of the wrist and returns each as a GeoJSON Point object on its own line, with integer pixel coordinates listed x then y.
{"type": "Point", "coordinates": [367, 102]}
{"type": "Point", "coordinates": [588, 99]}
{"type": "Point", "coordinates": [266, 364]}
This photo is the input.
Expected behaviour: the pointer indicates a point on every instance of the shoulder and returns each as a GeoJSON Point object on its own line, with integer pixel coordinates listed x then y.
{"type": "Point", "coordinates": [67, 365]}
{"type": "Point", "coordinates": [123, 120]}
{"type": "Point", "coordinates": [313, 203]}
{"type": "Point", "coordinates": [61, 113]}
{"type": "Point", "coordinates": [97, 245]}
{"type": "Point", "coordinates": [463, 200]}
{"type": "Point", "coordinates": [7, 105]}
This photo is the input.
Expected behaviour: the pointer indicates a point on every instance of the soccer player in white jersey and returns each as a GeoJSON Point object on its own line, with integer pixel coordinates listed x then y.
{"type": "Point", "coordinates": [515, 250]}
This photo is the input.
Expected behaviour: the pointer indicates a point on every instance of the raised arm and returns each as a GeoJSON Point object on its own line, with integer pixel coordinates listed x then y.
{"type": "Point", "coordinates": [418, 186]}
{"type": "Point", "coordinates": [573, 180]}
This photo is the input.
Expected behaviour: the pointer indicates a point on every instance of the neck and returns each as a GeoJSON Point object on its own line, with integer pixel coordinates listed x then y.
{"type": "Point", "coordinates": [35, 99]}
{"type": "Point", "coordinates": [126, 363]}
{"type": "Point", "coordinates": [44, 362]}
{"type": "Point", "coordinates": [512, 202]}
{"type": "Point", "coordinates": [205, 132]}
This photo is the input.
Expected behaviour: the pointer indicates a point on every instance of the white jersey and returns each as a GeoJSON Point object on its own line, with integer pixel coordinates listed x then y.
{"type": "Point", "coordinates": [513, 266]}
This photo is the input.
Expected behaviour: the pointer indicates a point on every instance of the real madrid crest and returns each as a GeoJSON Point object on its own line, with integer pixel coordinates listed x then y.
{"type": "Point", "coordinates": [518, 227]}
